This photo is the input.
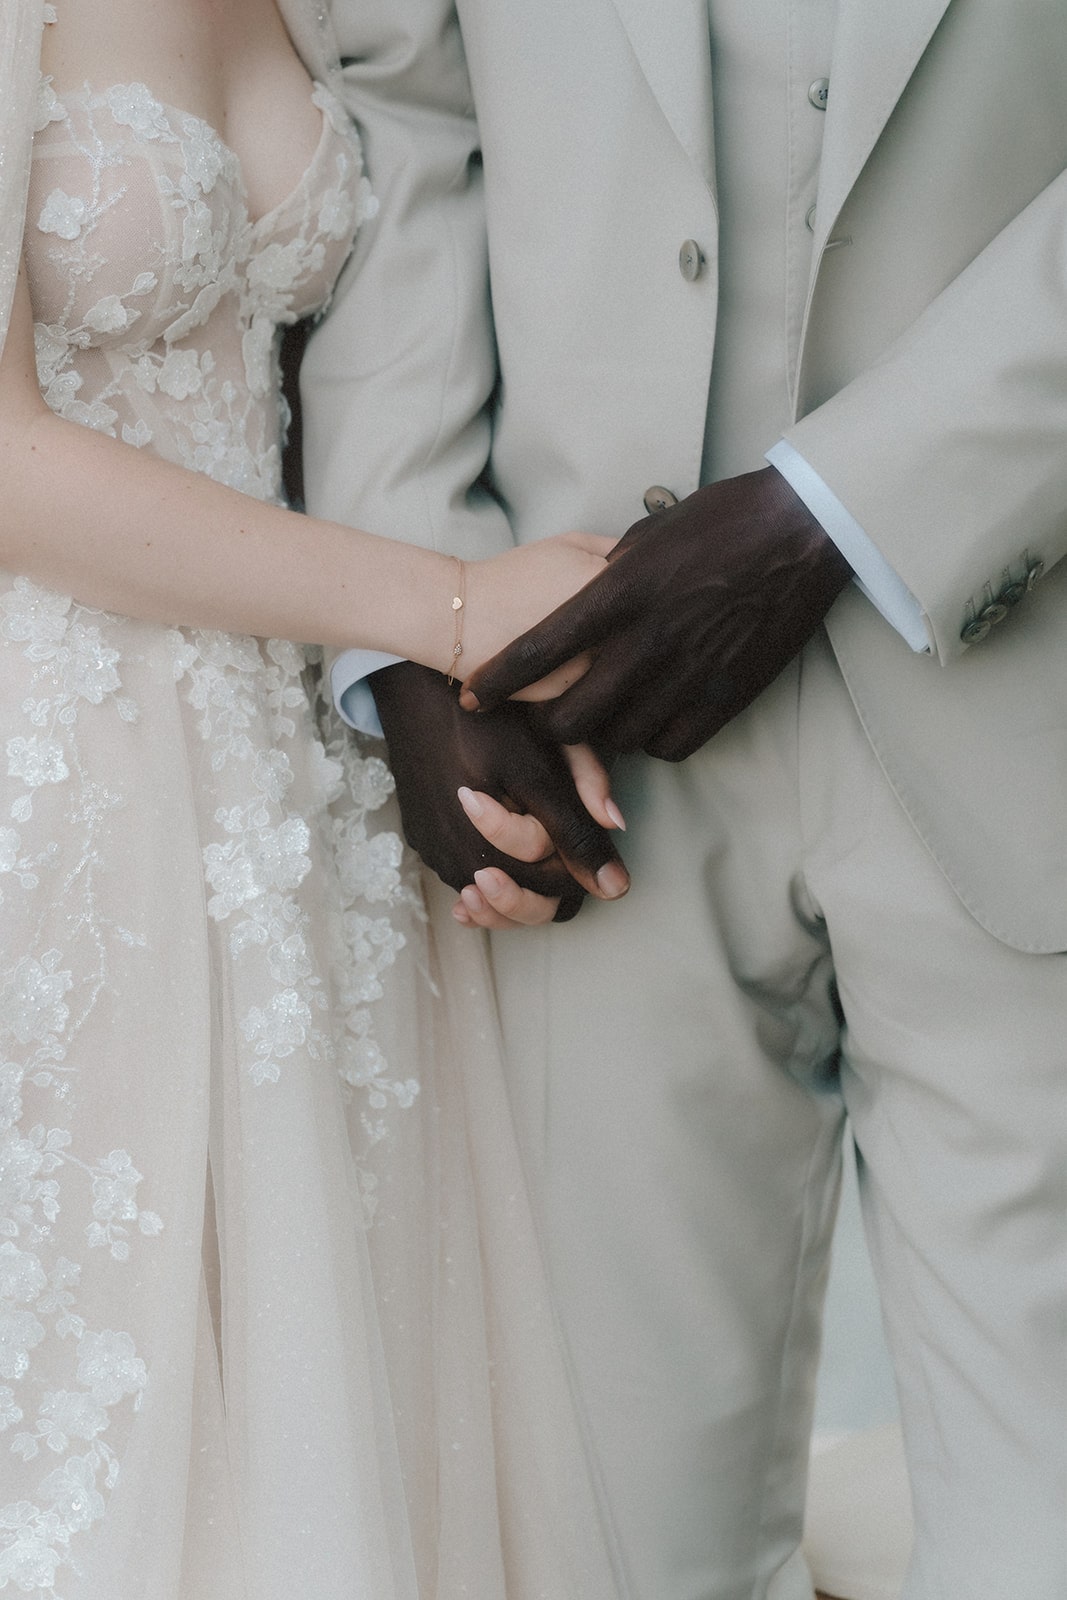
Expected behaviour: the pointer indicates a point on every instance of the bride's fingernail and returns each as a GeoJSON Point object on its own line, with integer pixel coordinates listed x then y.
{"type": "Point", "coordinates": [615, 814]}
{"type": "Point", "coordinates": [473, 900]}
{"type": "Point", "coordinates": [470, 802]}
{"type": "Point", "coordinates": [612, 881]}
{"type": "Point", "coordinates": [488, 880]}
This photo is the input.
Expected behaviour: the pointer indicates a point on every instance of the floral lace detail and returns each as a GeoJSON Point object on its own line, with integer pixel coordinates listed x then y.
{"type": "Point", "coordinates": [250, 707]}
{"type": "Point", "coordinates": [129, 340]}
{"type": "Point", "coordinates": [44, 1008]}
{"type": "Point", "coordinates": [373, 869]}
{"type": "Point", "coordinates": [39, 1313]}
{"type": "Point", "coordinates": [262, 849]}
{"type": "Point", "coordinates": [73, 667]}
{"type": "Point", "coordinates": [263, 853]}
{"type": "Point", "coordinates": [158, 304]}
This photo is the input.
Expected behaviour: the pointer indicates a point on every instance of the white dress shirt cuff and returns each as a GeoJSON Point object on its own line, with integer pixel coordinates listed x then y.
{"type": "Point", "coordinates": [352, 694]}
{"type": "Point", "coordinates": [884, 588]}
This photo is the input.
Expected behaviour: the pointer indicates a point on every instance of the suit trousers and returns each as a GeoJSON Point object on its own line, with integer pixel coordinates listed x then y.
{"type": "Point", "coordinates": [680, 1066]}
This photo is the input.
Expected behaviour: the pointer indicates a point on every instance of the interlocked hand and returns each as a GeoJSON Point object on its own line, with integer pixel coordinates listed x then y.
{"type": "Point", "coordinates": [435, 749]}
{"type": "Point", "coordinates": [699, 609]}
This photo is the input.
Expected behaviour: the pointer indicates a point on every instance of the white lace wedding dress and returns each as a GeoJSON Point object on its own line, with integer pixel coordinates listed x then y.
{"type": "Point", "coordinates": [271, 1314]}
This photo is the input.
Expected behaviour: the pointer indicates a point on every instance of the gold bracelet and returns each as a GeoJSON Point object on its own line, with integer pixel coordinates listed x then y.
{"type": "Point", "coordinates": [457, 608]}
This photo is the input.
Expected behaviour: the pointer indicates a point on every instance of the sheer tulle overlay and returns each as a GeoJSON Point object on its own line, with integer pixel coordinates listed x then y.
{"type": "Point", "coordinates": [272, 1313]}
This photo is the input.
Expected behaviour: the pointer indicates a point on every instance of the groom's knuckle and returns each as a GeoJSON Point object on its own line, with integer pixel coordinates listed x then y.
{"type": "Point", "coordinates": [550, 718]}
{"type": "Point", "coordinates": [579, 837]}
{"type": "Point", "coordinates": [525, 656]}
{"type": "Point", "coordinates": [569, 724]}
{"type": "Point", "coordinates": [547, 878]}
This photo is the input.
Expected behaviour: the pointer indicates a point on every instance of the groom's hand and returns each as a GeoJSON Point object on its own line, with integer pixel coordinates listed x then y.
{"type": "Point", "coordinates": [434, 748]}
{"type": "Point", "coordinates": [700, 608]}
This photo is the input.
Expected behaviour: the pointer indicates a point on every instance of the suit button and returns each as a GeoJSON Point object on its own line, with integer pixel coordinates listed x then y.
{"type": "Point", "coordinates": [809, 219]}
{"type": "Point", "coordinates": [993, 613]}
{"type": "Point", "coordinates": [659, 499]}
{"type": "Point", "coordinates": [975, 631]}
{"type": "Point", "coordinates": [1012, 592]}
{"type": "Point", "coordinates": [1034, 573]}
{"type": "Point", "coordinates": [819, 93]}
{"type": "Point", "coordinates": [690, 260]}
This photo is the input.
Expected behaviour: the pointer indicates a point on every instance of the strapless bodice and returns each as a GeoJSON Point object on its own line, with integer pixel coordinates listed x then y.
{"type": "Point", "coordinates": [157, 298]}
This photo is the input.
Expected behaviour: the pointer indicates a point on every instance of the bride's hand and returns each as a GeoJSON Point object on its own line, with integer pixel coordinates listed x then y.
{"type": "Point", "coordinates": [495, 900]}
{"type": "Point", "coordinates": [509, 593]}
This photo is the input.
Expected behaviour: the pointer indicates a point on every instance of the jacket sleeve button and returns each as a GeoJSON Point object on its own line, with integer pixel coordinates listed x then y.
{"type": "Point", "coordinates": [975, 631]}
{"type": "Point", "coordinates": [690, 260]}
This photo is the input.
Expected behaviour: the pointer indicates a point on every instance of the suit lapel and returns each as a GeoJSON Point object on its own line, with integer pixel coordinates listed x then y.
{"type": "Point", "coordinates": [877, 46]}
{"type": "Point", "coordinates": [670, 40]}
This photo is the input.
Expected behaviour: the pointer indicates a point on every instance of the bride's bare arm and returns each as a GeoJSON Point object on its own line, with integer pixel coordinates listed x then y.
{"type": "Point", "coordinates": [123, 530]}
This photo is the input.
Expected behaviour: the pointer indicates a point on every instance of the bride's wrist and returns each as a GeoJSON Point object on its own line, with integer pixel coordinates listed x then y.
{"type": "Point", "coordinates": [458, 604]}
{"type": "Point", "coordinates": [487, 595]}
{"type": "Point", "coordinates": [416, 612]}
{"type": "Point", "coordinates": [457, 622]}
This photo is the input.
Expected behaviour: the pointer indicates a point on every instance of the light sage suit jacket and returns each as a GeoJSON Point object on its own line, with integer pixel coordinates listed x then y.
{"type": "Point", "coordinates": [930, 363]}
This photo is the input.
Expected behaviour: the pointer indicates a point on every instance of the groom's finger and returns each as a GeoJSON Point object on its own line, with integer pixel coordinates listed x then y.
{"type": "Point", "coordinates": [625, 680]}
{"type": "Point", "coordinates": [557, 682]}
{"type": "Point", "coordinates": [434, 749]}
{"type": "Point", "coordinates": [583, 622]}
{"type": "Point", "coordinates": [575, 627]}
{"type": "Point", "coordinates": [544, 788]}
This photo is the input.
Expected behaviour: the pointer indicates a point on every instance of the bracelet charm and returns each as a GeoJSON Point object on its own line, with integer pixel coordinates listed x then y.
{"type": "Point", "coordinates": [457, 607]}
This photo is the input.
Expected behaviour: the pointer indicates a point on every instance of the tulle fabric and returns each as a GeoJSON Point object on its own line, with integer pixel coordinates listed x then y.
{"type": "Point", "coordinates": [352, 1380]}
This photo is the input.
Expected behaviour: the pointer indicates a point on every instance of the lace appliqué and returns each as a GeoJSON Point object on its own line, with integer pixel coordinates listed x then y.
{"type": "Point", "coordinates": [129, 341]}
{"type": "Point", "coordinates": [262, 850]}
{"type": "Point", "coordinates": [263, 853]}
{"type": "Point", "coordinates": [44, 1007]}
{"type": "Point", "coordinates": [373, 871]}
{"type": "Point", "coordinates": [157, 305]}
